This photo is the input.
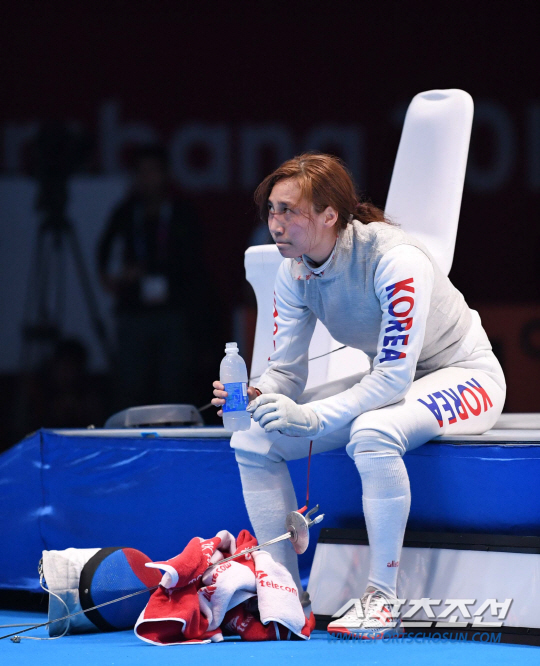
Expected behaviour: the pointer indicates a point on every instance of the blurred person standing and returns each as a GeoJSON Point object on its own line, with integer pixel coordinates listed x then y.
{"type": "Point", "coordinates": [155, 293]}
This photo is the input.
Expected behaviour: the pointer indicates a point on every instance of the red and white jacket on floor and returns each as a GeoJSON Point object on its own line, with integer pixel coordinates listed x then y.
{"type": "Point", "coordinates": [199, 603]}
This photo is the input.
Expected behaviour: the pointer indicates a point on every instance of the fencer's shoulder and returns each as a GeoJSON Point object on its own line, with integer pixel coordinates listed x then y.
{"type": "Point", "coordinates": [379, 238]}
{"type": "Point", "coordinates": [377, 234]}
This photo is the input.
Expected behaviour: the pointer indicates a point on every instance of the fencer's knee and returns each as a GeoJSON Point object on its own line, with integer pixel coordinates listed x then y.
{"type": "Point", "coordinates": [366, 440]}
{"type": "Point", "coordinates": [252, 459]}
{"type": "Point", "coordinates": [260, 473]}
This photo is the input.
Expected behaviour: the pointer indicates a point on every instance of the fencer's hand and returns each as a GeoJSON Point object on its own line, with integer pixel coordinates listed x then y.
{"type": "Point", "coordinates": [277, 412]}
{"type": "Point", "coordinates": [221, 394]}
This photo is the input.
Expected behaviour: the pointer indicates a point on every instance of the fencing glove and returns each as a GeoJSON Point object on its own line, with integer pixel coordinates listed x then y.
{"type": "Point", "coordinates": [274, 411]}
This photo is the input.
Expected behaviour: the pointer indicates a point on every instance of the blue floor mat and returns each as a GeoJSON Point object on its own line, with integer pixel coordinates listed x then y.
{"type": "Point", "coordinates": [124, 649]}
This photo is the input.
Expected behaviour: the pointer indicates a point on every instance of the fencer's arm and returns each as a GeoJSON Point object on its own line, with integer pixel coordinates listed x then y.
{"type": "Point", "coordinates": [294, 324]}
{"type": "Point", "coordinates": [403, 283]}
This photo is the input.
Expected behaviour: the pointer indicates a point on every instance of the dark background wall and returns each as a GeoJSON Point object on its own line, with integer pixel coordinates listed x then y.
{"type": "Point", "coordinates": [213, 81]}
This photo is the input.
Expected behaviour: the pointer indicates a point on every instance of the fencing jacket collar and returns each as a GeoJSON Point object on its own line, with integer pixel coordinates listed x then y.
{"type": "Point", "coordinates": [303, 268]}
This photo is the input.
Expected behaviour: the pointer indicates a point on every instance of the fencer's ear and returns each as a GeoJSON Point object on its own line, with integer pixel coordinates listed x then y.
{"type": "Point", "coordinates": [330, 217]}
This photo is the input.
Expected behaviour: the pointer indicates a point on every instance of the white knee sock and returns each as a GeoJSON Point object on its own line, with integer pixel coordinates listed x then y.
{"type": "Point", "coordinates": [269, 496]}
{"type": "Point", "coordinates": [386, 500]}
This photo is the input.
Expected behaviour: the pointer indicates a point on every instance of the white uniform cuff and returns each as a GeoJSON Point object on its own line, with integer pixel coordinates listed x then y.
{"type": "Point", "coordinates": [336, 411]}
{"type": "Point", "coordinates": [267, 386]}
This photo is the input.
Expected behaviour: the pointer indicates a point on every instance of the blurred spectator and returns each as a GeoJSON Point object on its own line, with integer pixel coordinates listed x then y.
{"type": "Point", "coordinates": [157, 295]}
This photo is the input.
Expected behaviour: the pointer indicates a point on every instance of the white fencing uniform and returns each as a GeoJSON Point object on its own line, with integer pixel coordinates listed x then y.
{"type": "Point", "coordinates": [433, 373]}
{"type": "Point", "coordinates": [432, 361]}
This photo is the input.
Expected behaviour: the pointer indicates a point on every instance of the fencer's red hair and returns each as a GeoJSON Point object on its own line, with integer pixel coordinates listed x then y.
{"type": "Point", "coordinates": [324, 181]}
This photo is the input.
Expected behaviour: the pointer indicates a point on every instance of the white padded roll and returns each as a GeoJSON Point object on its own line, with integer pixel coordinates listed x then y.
{"type": "Point", "coordinates": [62, 572]}
{"type": "Point", "coordinates": [429, 172]}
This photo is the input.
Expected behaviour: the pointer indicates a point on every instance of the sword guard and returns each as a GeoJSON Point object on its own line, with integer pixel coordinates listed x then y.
{"type": "Point", "coordinates": [298, 527]}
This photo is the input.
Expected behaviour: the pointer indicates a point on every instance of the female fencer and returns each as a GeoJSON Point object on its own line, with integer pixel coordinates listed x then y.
{"type": "Point", "coordinates": [377, 289]}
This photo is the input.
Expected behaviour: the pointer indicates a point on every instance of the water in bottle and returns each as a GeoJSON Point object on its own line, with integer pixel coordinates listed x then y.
{"type": "Point", "coordinates": [233, 375]}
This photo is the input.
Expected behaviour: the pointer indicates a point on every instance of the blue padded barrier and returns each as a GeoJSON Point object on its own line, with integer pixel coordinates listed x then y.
{"type": "Point", "coordinates": [60, 490]}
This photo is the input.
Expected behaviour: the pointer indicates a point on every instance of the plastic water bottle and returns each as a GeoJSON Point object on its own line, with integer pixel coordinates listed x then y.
{"type": "Point", "coordinates": [233, 375]}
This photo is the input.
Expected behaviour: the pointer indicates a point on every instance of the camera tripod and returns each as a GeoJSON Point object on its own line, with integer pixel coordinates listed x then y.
{"type": "Point", "coordinates": [45, 304]}
{"type": "Point", "coordinates": [44, 309]}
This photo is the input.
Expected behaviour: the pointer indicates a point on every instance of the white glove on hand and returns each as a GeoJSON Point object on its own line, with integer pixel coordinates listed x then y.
{"type": "Point", "coordinates": [274, 411]}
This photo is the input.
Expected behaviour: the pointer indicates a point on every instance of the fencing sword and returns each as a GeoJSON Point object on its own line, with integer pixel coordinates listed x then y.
{"type": "Point", "coordinates": [297, 526]}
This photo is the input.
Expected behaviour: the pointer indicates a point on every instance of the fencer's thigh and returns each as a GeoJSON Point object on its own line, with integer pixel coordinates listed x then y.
{"type": "Point", "coordinates": [462, 399]}
{"type": "Point", "coordinates": [278, 447]}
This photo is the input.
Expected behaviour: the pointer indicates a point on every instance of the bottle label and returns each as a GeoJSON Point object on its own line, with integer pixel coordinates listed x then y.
{"type": "Point", "coordinates": [237, 400]}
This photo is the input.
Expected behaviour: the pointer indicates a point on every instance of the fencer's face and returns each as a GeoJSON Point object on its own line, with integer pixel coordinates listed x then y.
{"type": "Point", "coordinates": [293, 222]}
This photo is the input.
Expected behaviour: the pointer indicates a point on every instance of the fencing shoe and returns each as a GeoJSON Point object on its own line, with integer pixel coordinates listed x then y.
{"type": "Point", "coordinates": [370, 617]}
